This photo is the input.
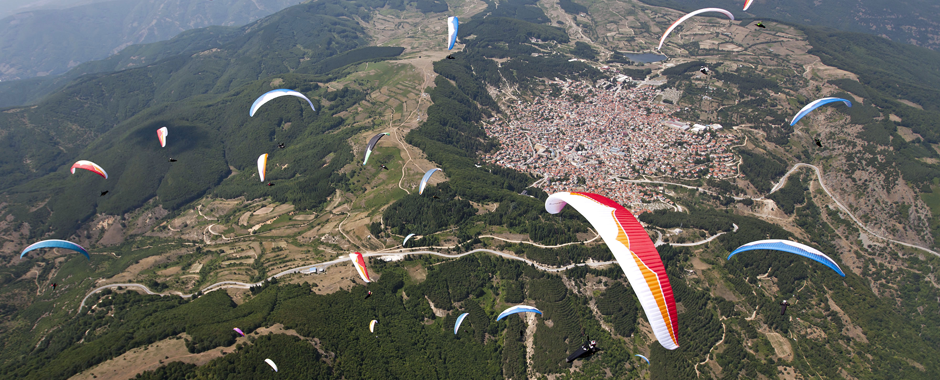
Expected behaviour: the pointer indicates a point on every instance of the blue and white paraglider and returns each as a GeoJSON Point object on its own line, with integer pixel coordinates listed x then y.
{"type": "Point", "coordinates": [644, 358]}
{"type": "Point", "coordinates": [459, 321]}
{"type": "Point", "coordinates": [406, 239]}
{"type": "Point", "coordinates": [274, 94]}
{"type": "Point", "coordinates": [518, 309]}
{"type": "Point", "coordinates": [791, 247]}
{"type": "Point", "coordinates": [451, 32]}
{"type": "Point", "coordinates": [816, 104]}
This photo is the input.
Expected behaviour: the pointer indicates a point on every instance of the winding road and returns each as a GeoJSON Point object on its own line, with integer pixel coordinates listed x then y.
{"type": "Point", "coordinates": [400, 252]}
{"type": "Point", "coordinates": [783, 182]}
{"type": "Point", "coordinates": [341, 259]}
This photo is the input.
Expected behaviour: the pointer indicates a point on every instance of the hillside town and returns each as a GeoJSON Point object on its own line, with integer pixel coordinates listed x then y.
{"type": "Point", "coordinates": [592, 136]}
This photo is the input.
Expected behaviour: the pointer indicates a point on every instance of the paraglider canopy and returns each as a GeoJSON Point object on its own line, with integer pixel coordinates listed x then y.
{"type": "Point", "coordinates": [644, 358]}
{"type": "Point", "coordinates": [791, 247]}
{"type": "Point", "coordinates": [452, 24]}
{"type": "Point", "coordinates": [262, 166]}
{"type": "Point", "coordinates": [518, 309]}
{"type": "Point", "coordinates": [56, 243]}
{"type": "Point", "coordinates": [459, 321]}
{"type": "Point", "coordinates": [271, 363]}
{"type": "Point", "coordinates": [814, 105]}
{"type": "Point", "coordinates": [372, 325]}
{"type": "Point", "coordinates": [747, 4]}
{"type": "Point", "coordinates": [688, 16]}
{"type": "Point", "coordinates": [636, 255]}
{"type": "Point", "coordinates": [424, 180]}
{"type": "Point", "coordinates": [239, 331]}
{"type": "Point", "coordinates": [161, 135]}
{"type": "Point", "coordinates": [274, 94]}
{"type": "Point", "coordinates": [90, 166]}
{"type": "Point", "coordinates": [374, 140]}
{"type": "Point", "coordinates": [406, 239]}
{"type": "Point", "coordinates": [360, 265]}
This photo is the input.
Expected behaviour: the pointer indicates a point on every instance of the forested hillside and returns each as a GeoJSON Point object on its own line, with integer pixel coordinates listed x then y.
{"type": "Point", "coordinates": [110, 118]}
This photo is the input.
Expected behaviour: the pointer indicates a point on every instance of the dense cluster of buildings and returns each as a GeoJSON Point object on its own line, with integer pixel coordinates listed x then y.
{"type": "Point", "coordinates": [592, 136]}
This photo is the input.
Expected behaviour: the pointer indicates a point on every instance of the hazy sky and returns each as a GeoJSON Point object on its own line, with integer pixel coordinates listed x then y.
{"type": "Point", "coordinates": [10, 7]}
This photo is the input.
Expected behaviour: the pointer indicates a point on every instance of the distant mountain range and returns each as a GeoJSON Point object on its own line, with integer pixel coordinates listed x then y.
{"type": "Point", "coordinates": [50, 42]}
{"type": "Point", "coordinates": [915, 22]}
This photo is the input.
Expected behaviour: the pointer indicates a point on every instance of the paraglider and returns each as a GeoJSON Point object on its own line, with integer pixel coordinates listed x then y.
{"type": "Point", "coordinates": [239, 331]}
{"type": "Point", "coordinates": [270, 183]}
{"type": "Point", "coordinates": [747, 4]}
{"type": "Point", "coordinates": [54, 285]}
{"type": "Point", "coordinates": [280, 146]}
{"type": "Point", "coordinates": [688, 16]}
{"type": "Point", "coordinates": [460, 319]}
{"type": "Point", "coordinates": [104, 192]}
{"type": "Point", "coordinates": [450, 57]}
{"type": "Point", "coordinates": [760, 25]}
{"type": "Point", "coordinates": [518, 309]}
{"type": "Point", "coordinates": [372, 325]}
{"type": "Point", "coordinates": [271, 363]}
{"type": "Point", "coordinates": [172, 160]}
{"type": "Point", "coordinates": [161, 135]}
{"type": "Point", "coordinates": [791, 247]}
{"type": "Point", "coordinates": [636, 254]}
{"type": "Point", "coordinates": [274, 94]}
{"type": "Point", "coordinates": [406, 239]}
{"type": "Point", "coordinates": [56, 243]}
{"type": "Point", "coordinates": [262, 166]}
{"type": "Point", "coordinates": [452, 23]}
{"type": "Point", "coordinates": [374, 140]}
{"type": "Point", "coordinates": [644, 358]}
{"type": "Point", "coordinates": [90, 166]}
{"type": "Point", "coordinates": [816, 104]}
{"type": "Point", "coordinates": [424, 180]}
{"type": "Point", "coordinates": [368, 294]}
{"type": "Point", "coordinates": [384, 167]}
{"type": "Point", "coordinates": [360, 265]}
{"type": "Point", "coordinates": [703, 70]}
{"type": "Point", "coordinates": [783, 307]}
{"type": "Point", "coordinates": [818, 143]}
{"type": "Point", "coordinates": [586, 349]}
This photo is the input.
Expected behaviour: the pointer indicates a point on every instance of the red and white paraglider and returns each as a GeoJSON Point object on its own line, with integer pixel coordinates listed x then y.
{"type": "Point", "coordinates": [636, 255]}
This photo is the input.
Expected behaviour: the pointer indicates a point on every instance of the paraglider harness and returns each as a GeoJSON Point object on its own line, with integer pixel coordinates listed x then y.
{"type": "Point", "coordinates": [783, 307]}
{"type": "Point", "coordinates": [588, 348]}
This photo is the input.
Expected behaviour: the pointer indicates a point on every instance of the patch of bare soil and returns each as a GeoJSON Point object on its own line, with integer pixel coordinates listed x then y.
{"type": "Point", "coordinates": [114, 235]}
{"type": "Point", "coordinates": [781, 345]}
{"type": "Point", "coordinates": [130, 274]}
{"type": "Point", "coordinates": [336, 278]}
{"type": "Point", "coordinates": [418, 273]}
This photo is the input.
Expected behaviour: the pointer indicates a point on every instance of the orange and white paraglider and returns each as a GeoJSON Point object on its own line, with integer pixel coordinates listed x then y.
{"type": "Point", "coordinates": [90, 166]}
{"type": "Point", "coordinates": [636, 255]}
{"type": "Point", "coordinates": [161, 135]}
{"type": "Point", "coordinates": [360, 265]}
